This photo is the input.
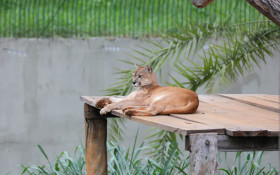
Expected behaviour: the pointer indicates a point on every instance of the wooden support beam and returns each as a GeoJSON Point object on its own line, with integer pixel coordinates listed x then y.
{"type": "Point", "coordinates": [233, 144]}
{"type": "Point", "coordinates": [203, 153]}
{"type": "Point", "coordinates": [227, 143]}
{"type": "Point", "coordinates": [95, 143]}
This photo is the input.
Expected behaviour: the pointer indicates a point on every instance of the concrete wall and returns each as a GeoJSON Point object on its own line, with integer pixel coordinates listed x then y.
{"type": "Point", "coordinates": [41, 81]}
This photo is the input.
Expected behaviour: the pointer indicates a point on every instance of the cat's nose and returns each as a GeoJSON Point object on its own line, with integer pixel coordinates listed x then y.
{"type": "Point", "coordinates": [134, 82]}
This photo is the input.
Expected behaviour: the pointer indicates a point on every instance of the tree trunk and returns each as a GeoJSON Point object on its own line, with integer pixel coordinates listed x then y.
{"type": "Point", "coordinates": [269, 8]}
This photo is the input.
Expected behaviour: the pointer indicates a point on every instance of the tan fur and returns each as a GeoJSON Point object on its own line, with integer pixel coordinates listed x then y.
{"type": "Point", "coordinates": [151, 99]}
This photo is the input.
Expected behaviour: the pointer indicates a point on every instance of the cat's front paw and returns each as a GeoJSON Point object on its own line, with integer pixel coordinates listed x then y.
{"type": "Point", "coordinates": [101, 103]}
{"type": "Point", "coordinates": [104, 111]}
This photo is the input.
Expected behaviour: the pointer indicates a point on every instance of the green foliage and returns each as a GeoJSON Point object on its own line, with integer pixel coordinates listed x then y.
{"type": "Point", "coordinates": [125, 163]}
{"type": "Point", "coordinates": [249, 163]}
{"type": "Point", "coordinates": [116, 129]}
{"type": "Point", "coordinates": [87, 18]}
{"type": "Point", "coordinates": [158, 145]}
{"type": "Point", "coordinates": [129, 162]}
{"type": "Point", "coordinates": [238, 53]}
{"type": "Point", "coordinates": [205, 55]}
{"type": "Point", "coordinates": [133, 162]}
{"type": "Point", "coordinates": [64, 164]}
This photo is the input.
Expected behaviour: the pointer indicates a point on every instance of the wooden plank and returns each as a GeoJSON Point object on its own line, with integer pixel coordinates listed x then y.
{"type": "Point", "coordinates": [267, 102]}
{"type": "Point", "coordinates": [169, 123]}
{"type": "Point", "coordinates": [219, 121]}
{"type": "Point", "coordinates": [272, 98]}
{"type": "Point", "coordinates": [227, 143]}
{"type": "Point", "coordinates": [91, 100]}
{"type": "Point", "coordinates": [215, 114]}
{"type": "Point", "coordinates": [200, 122]}
{"type": "Point", "coordinates": [95, 142]}
{"type": "Point", "coordinates": [203, 153]}
{"type": "Point", "coordinates": [233, 144]}
{"type": "Point", "coordinates": [165, 122]}
{"type": "Point", "coordinates": [172, 123]}
{"type": "Point", "coordinates": [237, 113]}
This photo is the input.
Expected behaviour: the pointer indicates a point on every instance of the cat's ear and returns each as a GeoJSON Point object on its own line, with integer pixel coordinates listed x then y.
{"type": "Point", "coordinates": [136, 66]}
{"type": "Point", "coordinates": [148, 68]}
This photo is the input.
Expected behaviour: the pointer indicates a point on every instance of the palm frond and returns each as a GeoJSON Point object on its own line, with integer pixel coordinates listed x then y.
{"type": "Point", "coordinates": [116, 129]}
{"type": "Point", "coordinates": [224, 63]}
{"type": "Point", "coordinates": [158, 149]}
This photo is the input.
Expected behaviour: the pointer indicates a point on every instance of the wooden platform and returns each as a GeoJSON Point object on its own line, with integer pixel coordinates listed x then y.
{"type": "Point", "coordinates": [223, 122]}
{"type": "Point", "coordinates": [233, 115]}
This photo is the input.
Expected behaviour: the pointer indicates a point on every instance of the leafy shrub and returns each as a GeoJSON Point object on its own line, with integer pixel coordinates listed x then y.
{"type": "Point", "coordinates": [133, 162]}
{"type": "Point", "coordinates": [249, 163]}
{"type": "Point", "coordinates": [64, 164]}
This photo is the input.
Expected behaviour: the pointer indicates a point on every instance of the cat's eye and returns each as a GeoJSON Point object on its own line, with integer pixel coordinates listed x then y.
{"type": "Point", "coordinates": [139, 76]}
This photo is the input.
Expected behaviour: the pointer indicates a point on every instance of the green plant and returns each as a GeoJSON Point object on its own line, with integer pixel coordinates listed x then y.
{"type": "Point", "coordinates": [130, 162]}
{"type": "Point", "coordinates": [125, 163]}
{"type": "Point", "coordinates": [122, 162]}
{"type": "Point", "coordinates": [157, 144]}
{"type": "Point", "coordinates": [87, 18]}
{"type": "Point", "coordinates": [169, 161]}
{"type": "Point", "coordinates": [249, 163]}
{"type": "Point", "coordinates": [133, 162]}
{"type": "Point", "coordinates": [205, 53]}
{"type": "Point", "coordinates": [64, 164]}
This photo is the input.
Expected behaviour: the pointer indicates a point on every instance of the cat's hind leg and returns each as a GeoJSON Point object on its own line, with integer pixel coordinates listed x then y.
{"type": "Point", "coordinates": [134, 108]}
{"type": "Point", "coordinates": [148, 111]}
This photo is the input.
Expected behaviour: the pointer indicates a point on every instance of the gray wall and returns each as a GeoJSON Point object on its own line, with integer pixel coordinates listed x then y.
{"type": "Point", "coordinates": [41, 81]}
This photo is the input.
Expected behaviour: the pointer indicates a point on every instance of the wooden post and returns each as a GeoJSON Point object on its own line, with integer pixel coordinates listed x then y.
{"type": "Point", "coordinates": [203, 153]}
{"type": "Point", "coordinates": [95, 143]}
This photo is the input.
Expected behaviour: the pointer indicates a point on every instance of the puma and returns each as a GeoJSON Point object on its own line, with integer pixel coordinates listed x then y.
{"type": "Point", "coordinates": [151, 99]}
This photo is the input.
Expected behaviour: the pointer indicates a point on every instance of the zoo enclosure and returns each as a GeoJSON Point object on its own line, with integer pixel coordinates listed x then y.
{"type": "Point", "coordinates": [125, 18]}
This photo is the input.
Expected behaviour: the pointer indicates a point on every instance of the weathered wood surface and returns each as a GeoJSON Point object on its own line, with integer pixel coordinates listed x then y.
{"type": "Point", "coordinates": [262, 101]}
{"type": "Point", "coordinates": [233, 144]}
{"type": "Point", "coordinates": [269, 8]}
{"type": "Point", "coordinates": [95, 142]}
{"type": "Point", "coordinates": [220, 114]}
{"type": "Point", "coordinates": [203, 154]}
